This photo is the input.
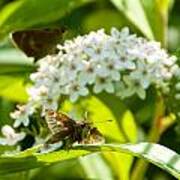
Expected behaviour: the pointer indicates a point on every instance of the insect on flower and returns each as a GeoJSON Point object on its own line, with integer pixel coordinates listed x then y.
{"type": "Point", "coordinates": [38, 43]}
{"type": "Point", "coordinates": [67, 131]}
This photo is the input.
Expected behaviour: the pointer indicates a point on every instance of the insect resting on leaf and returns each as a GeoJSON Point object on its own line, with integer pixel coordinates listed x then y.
{"type": "Point", "coordinates": [38, 43]}
{"type": "Point", "coordinates": [68, 131]}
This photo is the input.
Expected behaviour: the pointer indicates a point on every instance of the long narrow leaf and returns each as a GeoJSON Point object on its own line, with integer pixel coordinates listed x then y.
{"type": "Point", "coordinates": [154, 153]}
{"type": "Point", "coordinates": [27, 13]}
{"type": "Point", "coordinates": [134, 11]}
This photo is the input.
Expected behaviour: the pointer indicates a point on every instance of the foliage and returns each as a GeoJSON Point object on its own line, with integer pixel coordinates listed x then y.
{"type": "Point", "coordinates": [146, 151]}
{"type": "Point", "coordinates": [133, 120]}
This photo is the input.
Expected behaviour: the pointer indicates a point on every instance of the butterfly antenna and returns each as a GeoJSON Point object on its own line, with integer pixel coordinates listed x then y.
{"type": "Point", "coordinates": [105, 121]}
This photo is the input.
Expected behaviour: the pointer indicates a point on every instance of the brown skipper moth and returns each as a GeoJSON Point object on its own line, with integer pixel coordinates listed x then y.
{"type": "Point", "coordinates": [38, 43]}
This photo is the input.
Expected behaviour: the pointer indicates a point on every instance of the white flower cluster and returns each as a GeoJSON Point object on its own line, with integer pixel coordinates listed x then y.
{"type": "Point", "coordinates": [118, 63]}
{"type": "Point", "coordinates": [10, 136]}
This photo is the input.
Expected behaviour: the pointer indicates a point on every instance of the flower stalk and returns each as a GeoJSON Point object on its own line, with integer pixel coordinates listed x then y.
{"type": "Point", "coordinates": [159, 125]}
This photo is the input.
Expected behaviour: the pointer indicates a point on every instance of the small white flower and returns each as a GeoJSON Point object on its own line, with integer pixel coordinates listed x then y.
{"type": "Point", "coordinates": [75, 90]}
{"type": "Point", "coordinates": [175, 70]}
{"type": "Point", "coordinates": [109, 68]}
{"type": "Point", "coordinates": [36, 93]}
{"type": "Point", "coordinates": [123, 34]}
{"type": "Point", "coordinates": [169, 61]}
{"type": "Point", "coordinates": [103, 84]}
{"type": "Point", "coordinates": [134, 87]}
{"type": "Point", "coordinates": [72, 65]}
{"type": "Point", "coordinates": [142, 75]}
{"type": "Point", "coordinates": [126, 63]}
{"type": "Point", "coordinates": [88, 75]}
{"type": "Point", "coordinates": [11, 137]}
{"type": "Point", "coordinates": [120, 89]}
{"type": "Point", "coordinates": [21, 115]}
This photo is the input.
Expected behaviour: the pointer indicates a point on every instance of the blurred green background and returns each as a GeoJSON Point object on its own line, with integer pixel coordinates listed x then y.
{"type": "Point", "coordinates": [153, 19]}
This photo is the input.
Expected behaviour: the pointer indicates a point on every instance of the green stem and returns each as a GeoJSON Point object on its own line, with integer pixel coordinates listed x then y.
{"type": "Point", "coordinates": [141, 166]}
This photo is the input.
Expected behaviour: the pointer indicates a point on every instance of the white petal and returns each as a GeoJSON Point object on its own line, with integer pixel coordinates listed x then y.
{"type": "Point", "coordinates": [97, 88]}
{"type": "Point", "coordinates": [127, 80]}
{"type": "Point", "coordinates": [115, 75]}
{"type": "Point", "coordinates": [145, 82]}
{"type": "Point", "coordinates": [7, 130]}
{"type": "Point", "coordinates": [74, 97]}
{"type": "Point", "coordinates": [83, 91]}
{"type": "Point", "coordinates": [114, 32]}
{"type": "Point", "coordinates": [102, 71]}
{"type": "Point", "coordinates": [109, 87]}
{"type": "Point", "coordinates": [20, 136]}
{"type": "Point", "coordinates": [125, 31]}
{"type": "Point", "coordinates": [26, 121]}
{"type": "Point", "coordinates": [136, 74]}
{"type": "Point", "coordinates": [141, 93]}
{"type": "Point", "coordinates": [129, 92]}
{"type": "Point", "coordinates": [3, 141]}
{"type": "Point", "coordinates": [16, 123]}
{"type": "Point", "coordinates": [83, 78]}
{"type": "Point", "coordinates": [130, 65]}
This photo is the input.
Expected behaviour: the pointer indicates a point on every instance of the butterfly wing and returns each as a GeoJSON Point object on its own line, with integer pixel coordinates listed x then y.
{"type": "Point", "coordinates": [65, 129]}
{"type": "Point", "coordinates": [54, 125]}
{"type": "Point", "coordinates": [62, 129]}
{"type": "Point", "coordinates": [60, 124]}
{"type": "Point", "coordinates": [38, 43]}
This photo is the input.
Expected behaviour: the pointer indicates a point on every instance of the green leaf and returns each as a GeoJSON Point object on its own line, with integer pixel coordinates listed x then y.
{"type": "Point", "coordinates": [157, 14]}
{"type": "Point", "coordinates": [5, 108]}
{"type": "Point", "coordinates": [98, 19]}
{"type": "Point", "coordinates": [134, 11]}
{"type": "Point", "coordinates": [124, 120]}
{"type": "Point", "coordinates": [13, 88]}
{"type": "Point", "coordinates": [154, 153]}
{"type": "Point", "coordinates": [95, 167]}
{"type": "Point", "coordinates": [15, 67]}
{"type": "Point", "coordinates": [13, 61]}
{"type": "Point", "coordinates": [26, 13]}
{"type": "Point", "coordinates": [30, 160]}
